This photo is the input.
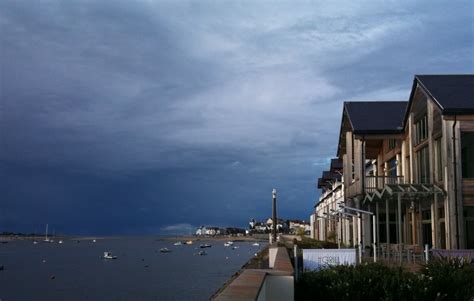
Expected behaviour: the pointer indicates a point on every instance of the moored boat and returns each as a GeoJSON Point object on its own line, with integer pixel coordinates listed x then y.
{"type": "Point", "coordinates": [205, 246]}
{"type": "Point", "coordinates": [108, 255]}
{"type": "Point", "coordinates": [165, 250]}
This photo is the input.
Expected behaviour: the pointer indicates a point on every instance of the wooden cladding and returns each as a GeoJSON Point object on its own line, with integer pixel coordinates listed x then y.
{"type": "Point", "coordinates": [466, 126]}
{"type": "Point", "coordinates": [468, 191]}
{"type": "Point", "coordinates": [419, 104]}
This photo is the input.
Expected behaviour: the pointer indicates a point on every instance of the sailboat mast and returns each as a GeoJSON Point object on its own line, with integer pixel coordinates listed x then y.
{"type": "Point", "coordinates": [46, 232]}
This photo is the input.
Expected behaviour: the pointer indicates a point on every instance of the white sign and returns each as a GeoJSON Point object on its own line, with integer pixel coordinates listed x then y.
{"type": "Point", "coordinates": [316, 259]}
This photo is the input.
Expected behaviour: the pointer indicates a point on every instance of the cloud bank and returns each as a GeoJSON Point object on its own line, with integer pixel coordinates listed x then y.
{"type": "Point", "coordinates": [191, 112]}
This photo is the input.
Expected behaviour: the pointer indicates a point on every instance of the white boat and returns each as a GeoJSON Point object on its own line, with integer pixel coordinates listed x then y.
{"type": "Point", "coordinates": [189, 242]}
{"type": "Point", "coordinates": [165, 250]}
{"type": "Point", "coordinates": [93, 240]}
{"type": "Point", "coordinates": [108, 255]}
{"type": "Point", "coordinates": [256, 244]}
{"type": "Point", "coordinates": [35, 242]}
{"type": "Point", "coordinates": [228, 244]}
{"type": "Point", "coordinates": [46, 239]}
{"type": "Point", "coordinates": [235, 247]}
{"type": "Point", "coordinates": [60, 242]}
{"type": "Point", "coordinates": [178, 243]}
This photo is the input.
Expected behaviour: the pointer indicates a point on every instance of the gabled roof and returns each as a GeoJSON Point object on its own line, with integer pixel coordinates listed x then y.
{"type": "Point", "coordinates": [453, 94]}
{"type": "Point", "coordinates": [371, 118]}
{"type": "Point", "coordinates": [376, 117]}
{"type": "Point", "coordinates": [336, 164]}
{"type": "Point", "coordinates": [327, 178]}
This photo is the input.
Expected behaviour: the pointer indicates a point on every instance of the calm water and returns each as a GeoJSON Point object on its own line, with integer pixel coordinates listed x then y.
{"type": "Point", "coordinates": [141, 272]}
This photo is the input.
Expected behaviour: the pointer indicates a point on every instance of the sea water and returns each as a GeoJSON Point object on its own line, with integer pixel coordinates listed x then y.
{"type": "Point", "coordinates": [76, 270]}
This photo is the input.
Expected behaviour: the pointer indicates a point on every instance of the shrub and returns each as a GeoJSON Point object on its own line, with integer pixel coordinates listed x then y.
{"type": "Point", "coordinates": [439, 280]}
{"type": "Point", "coordinates": [449, 279]}
{"type": "Point", "coordinates": [308, 243]}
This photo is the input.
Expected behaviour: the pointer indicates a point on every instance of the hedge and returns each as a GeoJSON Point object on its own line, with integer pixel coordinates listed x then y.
{"type": "Point", "coordinates": [438, 280]}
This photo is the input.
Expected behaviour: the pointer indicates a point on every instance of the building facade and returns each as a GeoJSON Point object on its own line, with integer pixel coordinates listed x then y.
{"type": "Point", "coordinates": [411, 164]}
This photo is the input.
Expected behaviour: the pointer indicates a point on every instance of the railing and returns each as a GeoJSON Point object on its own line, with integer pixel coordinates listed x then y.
{"type": "Point", "coordinates": [373, 183]}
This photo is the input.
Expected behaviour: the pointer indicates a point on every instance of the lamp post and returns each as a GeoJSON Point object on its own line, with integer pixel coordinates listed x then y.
{"type": "Point", "coordinates": [274, 215]}
{"type": "Point", "coordinates": [359, 213]}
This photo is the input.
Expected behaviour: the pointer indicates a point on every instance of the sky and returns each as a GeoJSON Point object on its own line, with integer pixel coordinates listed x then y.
{"type": "Point", "coordinates": [155, 117]}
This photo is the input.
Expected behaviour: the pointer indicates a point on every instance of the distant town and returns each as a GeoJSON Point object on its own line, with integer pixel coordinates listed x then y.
{"type": "Point", "coordinates": [259, 227]}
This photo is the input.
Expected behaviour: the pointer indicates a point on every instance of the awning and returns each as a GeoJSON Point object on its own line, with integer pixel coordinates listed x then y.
{"type": "Point", "coordinates": [389, 191]}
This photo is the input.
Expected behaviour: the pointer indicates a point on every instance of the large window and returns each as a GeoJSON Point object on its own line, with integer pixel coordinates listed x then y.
{"type": "Point", "coordinates": [423, 165]}
{"type": "Point", "coordinates": [469, 218]}
{"type": "Point", "coordinates": [421, 130]}
{"type": "Point", "coordinates": [467, 154]}
{"type": "Point", "coordinates": [392, 143]}
{"type": "Point", "coordinates": [392, 167]}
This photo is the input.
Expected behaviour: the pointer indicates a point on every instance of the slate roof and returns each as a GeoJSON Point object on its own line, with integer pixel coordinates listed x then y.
{"type": "Point", "coordinates": [336, 164]}
{"type": "Point", "coordinates": [454, 94]}
{"type": "Point", "coordinates": [376, 117]}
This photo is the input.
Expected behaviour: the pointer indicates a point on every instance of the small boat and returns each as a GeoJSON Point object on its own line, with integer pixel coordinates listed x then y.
{"type": "Point", "coordinates": [189, 242]}
{"type": "Point", "coordinates": [60, 242]}
{"type": "Point", "coordinates": [35, 242]}
{"type": "Point", "coordinates": [256, 244]}
{"type": "Point", "coordinates": [228, 244]}
{"type": "Point", "coordinates": [93, 240]}
{"type": "Point", "coordinates": [108, 255]}
{"type": "Point", "coordinates": [178, 243]}
{"type": "Point", "coordinates": [46, 239]}
{"type": "Point", "coordinates": [165, 250]}
{"type": "Point", "coordinates": [205, 246]}
{"type": "Point", "coordinates": [235, 247]}
{"type": "Point", "coordinates": [201, 253]}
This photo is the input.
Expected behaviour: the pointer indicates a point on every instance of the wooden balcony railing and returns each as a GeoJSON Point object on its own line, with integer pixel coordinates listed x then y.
{"type": "Point", "coordinates": [373, 183]}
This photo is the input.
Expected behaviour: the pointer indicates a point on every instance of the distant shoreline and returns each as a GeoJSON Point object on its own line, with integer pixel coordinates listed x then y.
{"type": "Point", "coordinates": [6, 238]}
{"type": "Point", "coordinates": [217, 238]}
{"type": "Point", "coordinates": [41, 238]}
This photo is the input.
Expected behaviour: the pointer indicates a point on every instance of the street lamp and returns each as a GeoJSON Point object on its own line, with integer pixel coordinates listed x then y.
{"type": "Point", "coordinates": [274, 216]}
{"type": "Point", "coordinates": [359, 212]}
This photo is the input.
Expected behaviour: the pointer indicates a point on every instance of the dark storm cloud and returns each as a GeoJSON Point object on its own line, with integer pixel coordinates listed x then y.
{"type": "Point", "coordinates": [150, 116]}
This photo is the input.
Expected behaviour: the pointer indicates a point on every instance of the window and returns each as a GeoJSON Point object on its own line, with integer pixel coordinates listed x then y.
{"type": "Point", "coordinates": [439, 160]}
{"type": "Point", "coordinates": [423, 165]}
{"type": "Point", "coordinates": [392, 167]}
{"type": "Point", "coordinates": [467, 154]}
{"type": "Point", "coordinates": [469, 218]}
{"type": "Point", "coordinates": [421, 130]}
{"type": "Point", "coordinates": [392, 143]}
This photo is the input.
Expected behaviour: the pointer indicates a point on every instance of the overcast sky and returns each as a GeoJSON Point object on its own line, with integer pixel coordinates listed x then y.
{"type": "Point", "coordinates": [124, 117]}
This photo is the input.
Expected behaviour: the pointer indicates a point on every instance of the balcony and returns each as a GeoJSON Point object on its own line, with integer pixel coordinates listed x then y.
{"type": "Point", "coordinates": [373, 183]}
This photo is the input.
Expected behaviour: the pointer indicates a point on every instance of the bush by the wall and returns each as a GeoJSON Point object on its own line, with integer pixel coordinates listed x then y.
{"type": "Point", "coordinates": [439, 280]}
{"type": "Point", "coordinates": [309, 243]}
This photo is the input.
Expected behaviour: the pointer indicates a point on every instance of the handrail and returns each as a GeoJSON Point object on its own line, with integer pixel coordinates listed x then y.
{"type": "Point", "coordinates": [373, 183]}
